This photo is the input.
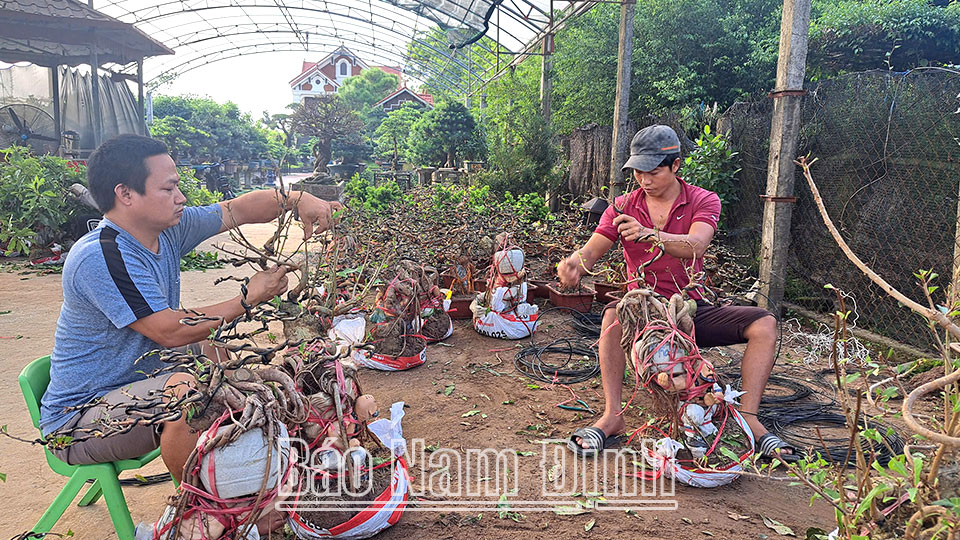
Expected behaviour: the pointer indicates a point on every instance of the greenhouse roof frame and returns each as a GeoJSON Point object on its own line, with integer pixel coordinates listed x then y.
{"type": "Point", "coordinates": [202, 32]}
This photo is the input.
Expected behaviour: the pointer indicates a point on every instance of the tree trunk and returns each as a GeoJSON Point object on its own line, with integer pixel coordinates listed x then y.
{"type": "Point", "coordinates": [450, 158]}
{"type": "Point", "coordinates": [396, 154]}
{"type": "Point", "coordinates": [322, 153]}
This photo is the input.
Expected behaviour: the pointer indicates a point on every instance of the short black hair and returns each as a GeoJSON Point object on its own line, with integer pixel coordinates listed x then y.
{"type": "Point", "coordinates": [668, 161]}
{"type": "Point", "coordinates": [120, 160]}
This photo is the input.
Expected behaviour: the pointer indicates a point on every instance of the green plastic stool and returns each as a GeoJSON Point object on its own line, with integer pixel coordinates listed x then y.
{"type": "Point", "coordinates": [33, 383]}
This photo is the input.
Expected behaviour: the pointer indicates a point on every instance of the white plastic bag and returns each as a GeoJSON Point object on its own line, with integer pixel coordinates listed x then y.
{"type": "Point", "coordinates": [516, 324]}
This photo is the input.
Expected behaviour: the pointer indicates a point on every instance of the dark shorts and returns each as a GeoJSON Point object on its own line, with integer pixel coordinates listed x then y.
{"type": "Point", "coordinates": [723, 325]}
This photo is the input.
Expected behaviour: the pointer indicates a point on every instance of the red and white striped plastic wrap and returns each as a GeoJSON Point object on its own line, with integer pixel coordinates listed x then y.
{"type": "Point", "coordinates": [390, 363]}
{"type": "Point", "coordinates": [662, 458]}
{"type": "Point", "coordinates": [350, 330]}
{"type": "Point", "coordinates": [382, 513]}
{"type": "Point", "coordinates": [387, 508]}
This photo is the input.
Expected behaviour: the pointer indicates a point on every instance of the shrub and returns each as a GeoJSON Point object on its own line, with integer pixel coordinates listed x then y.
{"type": "Point", "coordinates": [33, 198]}
{"type": "Point", "coordinates": [362, 193]}
{"type": "Point", "coordinates": [531, 207]}
{"type": "Point", "coordinates": [712, 166]}
{"type": "Point", "coordinates": [196, 191]}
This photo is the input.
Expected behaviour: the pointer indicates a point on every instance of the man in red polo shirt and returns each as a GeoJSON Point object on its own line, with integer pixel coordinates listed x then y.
{"type": "Point", "coordinates": [666, 211]}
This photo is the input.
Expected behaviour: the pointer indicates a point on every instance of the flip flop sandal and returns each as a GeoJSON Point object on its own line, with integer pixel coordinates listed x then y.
{"type": "Point", "coordinates": [592, 441]}
{"type": "Point", "coordinates": [769, 446]}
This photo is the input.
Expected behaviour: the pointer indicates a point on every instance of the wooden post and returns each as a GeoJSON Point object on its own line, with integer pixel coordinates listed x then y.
{"type": "Point", "coordinates": [621, 139]}
{"type": "Point", "coordinates": [784, 127]}
{"type": "Point", "coordinates": [95, 91]}
{"type": "Point", "coordinates": [55, 92]}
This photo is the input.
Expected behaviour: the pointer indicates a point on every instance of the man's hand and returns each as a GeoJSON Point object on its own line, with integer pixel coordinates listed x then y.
{"type": "Point", "coordinates": [631, 230]}
{"type": "Point", "coordinates": [263, 286]}
{"type": "Point", "coordinates": [315, 214]}
{"type": "Point", "coordinates": [569, 270]}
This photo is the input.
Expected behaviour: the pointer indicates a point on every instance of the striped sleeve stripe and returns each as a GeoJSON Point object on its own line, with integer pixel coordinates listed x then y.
{"type": "Point", "coordinates": [119, 274]}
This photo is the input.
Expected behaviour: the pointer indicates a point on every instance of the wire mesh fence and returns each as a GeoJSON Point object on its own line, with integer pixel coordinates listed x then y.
{"type": "Point", "coordinates": [888, 169]}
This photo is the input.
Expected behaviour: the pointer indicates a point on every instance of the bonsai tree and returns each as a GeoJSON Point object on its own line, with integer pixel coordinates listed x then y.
{"type": "Point", "coordinates": [445, 134]}
{"type": "Point", "coordinates": [325, 118]}
{"type": "Point", "coordinates": [364, 90]}
{"type": "Point", "coordinates": [392, 134]}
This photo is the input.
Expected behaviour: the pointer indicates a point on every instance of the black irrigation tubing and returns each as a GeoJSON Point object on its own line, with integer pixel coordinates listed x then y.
{"type": "Point", "coordinates": [582, 361]}
{"type": "Point", "coordinates": [795, 422]}
{"type": "Point", "coordinates": [799, 389]}
{"type": "Point", "coordinates": [531, 362]}
{"type": "Point", "coordinates": [837, 448]}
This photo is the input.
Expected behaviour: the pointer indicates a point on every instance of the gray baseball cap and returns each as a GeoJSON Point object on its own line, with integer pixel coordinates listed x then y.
{"type": "Point", "coordinates": [650, 146]}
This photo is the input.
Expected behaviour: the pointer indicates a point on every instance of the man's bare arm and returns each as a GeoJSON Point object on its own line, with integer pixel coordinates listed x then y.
{"type": "Point", "coordinates": [571, 269]}
{"type": "Point", "coordinates": [165, 328]}
{"type": "Point", "coordinates": [263, 206]}
{"type": "Point", "coordinates": [683, 246]}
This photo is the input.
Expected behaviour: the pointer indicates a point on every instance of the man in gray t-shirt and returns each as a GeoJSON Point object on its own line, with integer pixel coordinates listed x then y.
{"type": "Point", "coordinates": [121, 295]}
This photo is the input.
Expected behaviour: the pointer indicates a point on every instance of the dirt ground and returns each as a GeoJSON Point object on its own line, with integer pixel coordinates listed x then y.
{"type": "Point", "coordinates": [30, 305]}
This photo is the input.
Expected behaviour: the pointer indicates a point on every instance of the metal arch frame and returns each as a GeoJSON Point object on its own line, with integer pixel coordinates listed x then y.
{"type": "Point", "coordinates": [389, 53]}
{"type": "Point", "coordinates": [285, 46]}
{"type": "Point", "coordinates": [360, 22]}
{"type": "Point", "coordinates": [205, 40]}
{"type": "Point", "coordinates": [411, 35]}
{"type": "Point", "coordinates": [515, 15]}
{"type": "Point", "coordinates": [338, 15]}
{"type": "Point", "coordinates": [274, 27]}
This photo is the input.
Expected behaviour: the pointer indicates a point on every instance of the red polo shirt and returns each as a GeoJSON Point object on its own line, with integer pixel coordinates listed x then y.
{"type": "Point", "coordinates": [669, 274]}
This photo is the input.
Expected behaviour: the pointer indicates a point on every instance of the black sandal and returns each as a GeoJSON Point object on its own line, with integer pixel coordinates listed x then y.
{"type": "Point", "coordinates": [770, 447]}
{"type": "Point", "coordinates": [592, 441]}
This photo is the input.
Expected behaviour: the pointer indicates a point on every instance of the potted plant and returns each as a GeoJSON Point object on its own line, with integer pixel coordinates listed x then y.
{"type": "Point", "coordinates": [609, 280]}
{"type": "Point", "coordinates": [461, 282]}
{"type": "Point", "coordinates": [578, 298]}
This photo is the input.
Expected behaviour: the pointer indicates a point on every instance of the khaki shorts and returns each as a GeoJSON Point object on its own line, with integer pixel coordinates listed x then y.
{"type": "Point", "coordinates": [134, 443]}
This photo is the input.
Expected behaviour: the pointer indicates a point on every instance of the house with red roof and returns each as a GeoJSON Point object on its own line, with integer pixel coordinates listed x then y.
{"type": "Point", "coordinates": [405, 95]}
{"type": "Point", "coordinates": [327, 75]}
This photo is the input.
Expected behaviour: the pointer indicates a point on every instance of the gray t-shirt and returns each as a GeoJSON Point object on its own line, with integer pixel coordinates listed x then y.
{"type": "Point", "coordinates": [109, 281]}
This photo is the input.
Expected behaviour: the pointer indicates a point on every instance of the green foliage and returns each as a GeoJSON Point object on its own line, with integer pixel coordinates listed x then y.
{"type": "Point", "coordinates": [33, 198]}
{"type": "Point", "coordinates": [530, 206]}
{"type": "Point", "coordinates": [712, 166]}
{"type": "Point", "coordinates": [363, 91]}
{"type": "Point", "coordinates": [196, 191]}
{"type": "Point", "coordinates": [444, 135]}
{"type": "Point", "coordinates": [677, 59]}
{"type": "Point", "coordinates": [326, 118]}
{"type": "Point", "coordinates": [200, 260]}
{"type": "Point", "coordinates": [182, 139]}
{"type": "Point", "coordinates": [586, 50]}
{"type": "Point", "coordinates": [352, 150]}
{"type": "Point", "coordinates": [377, 199]}
{"type": "Point", "coordinates": [200, 129]}
{"type": "Point", "coordinates": [523, 152]}
{"type": "Point", "coordinates": [855, 35]}
{"type": "Point", "coordinates": [680, 59]}
{"type": "Point", "coordinates": [451, 197]}
{"type": "Point", "coordinates": [393, 134]}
